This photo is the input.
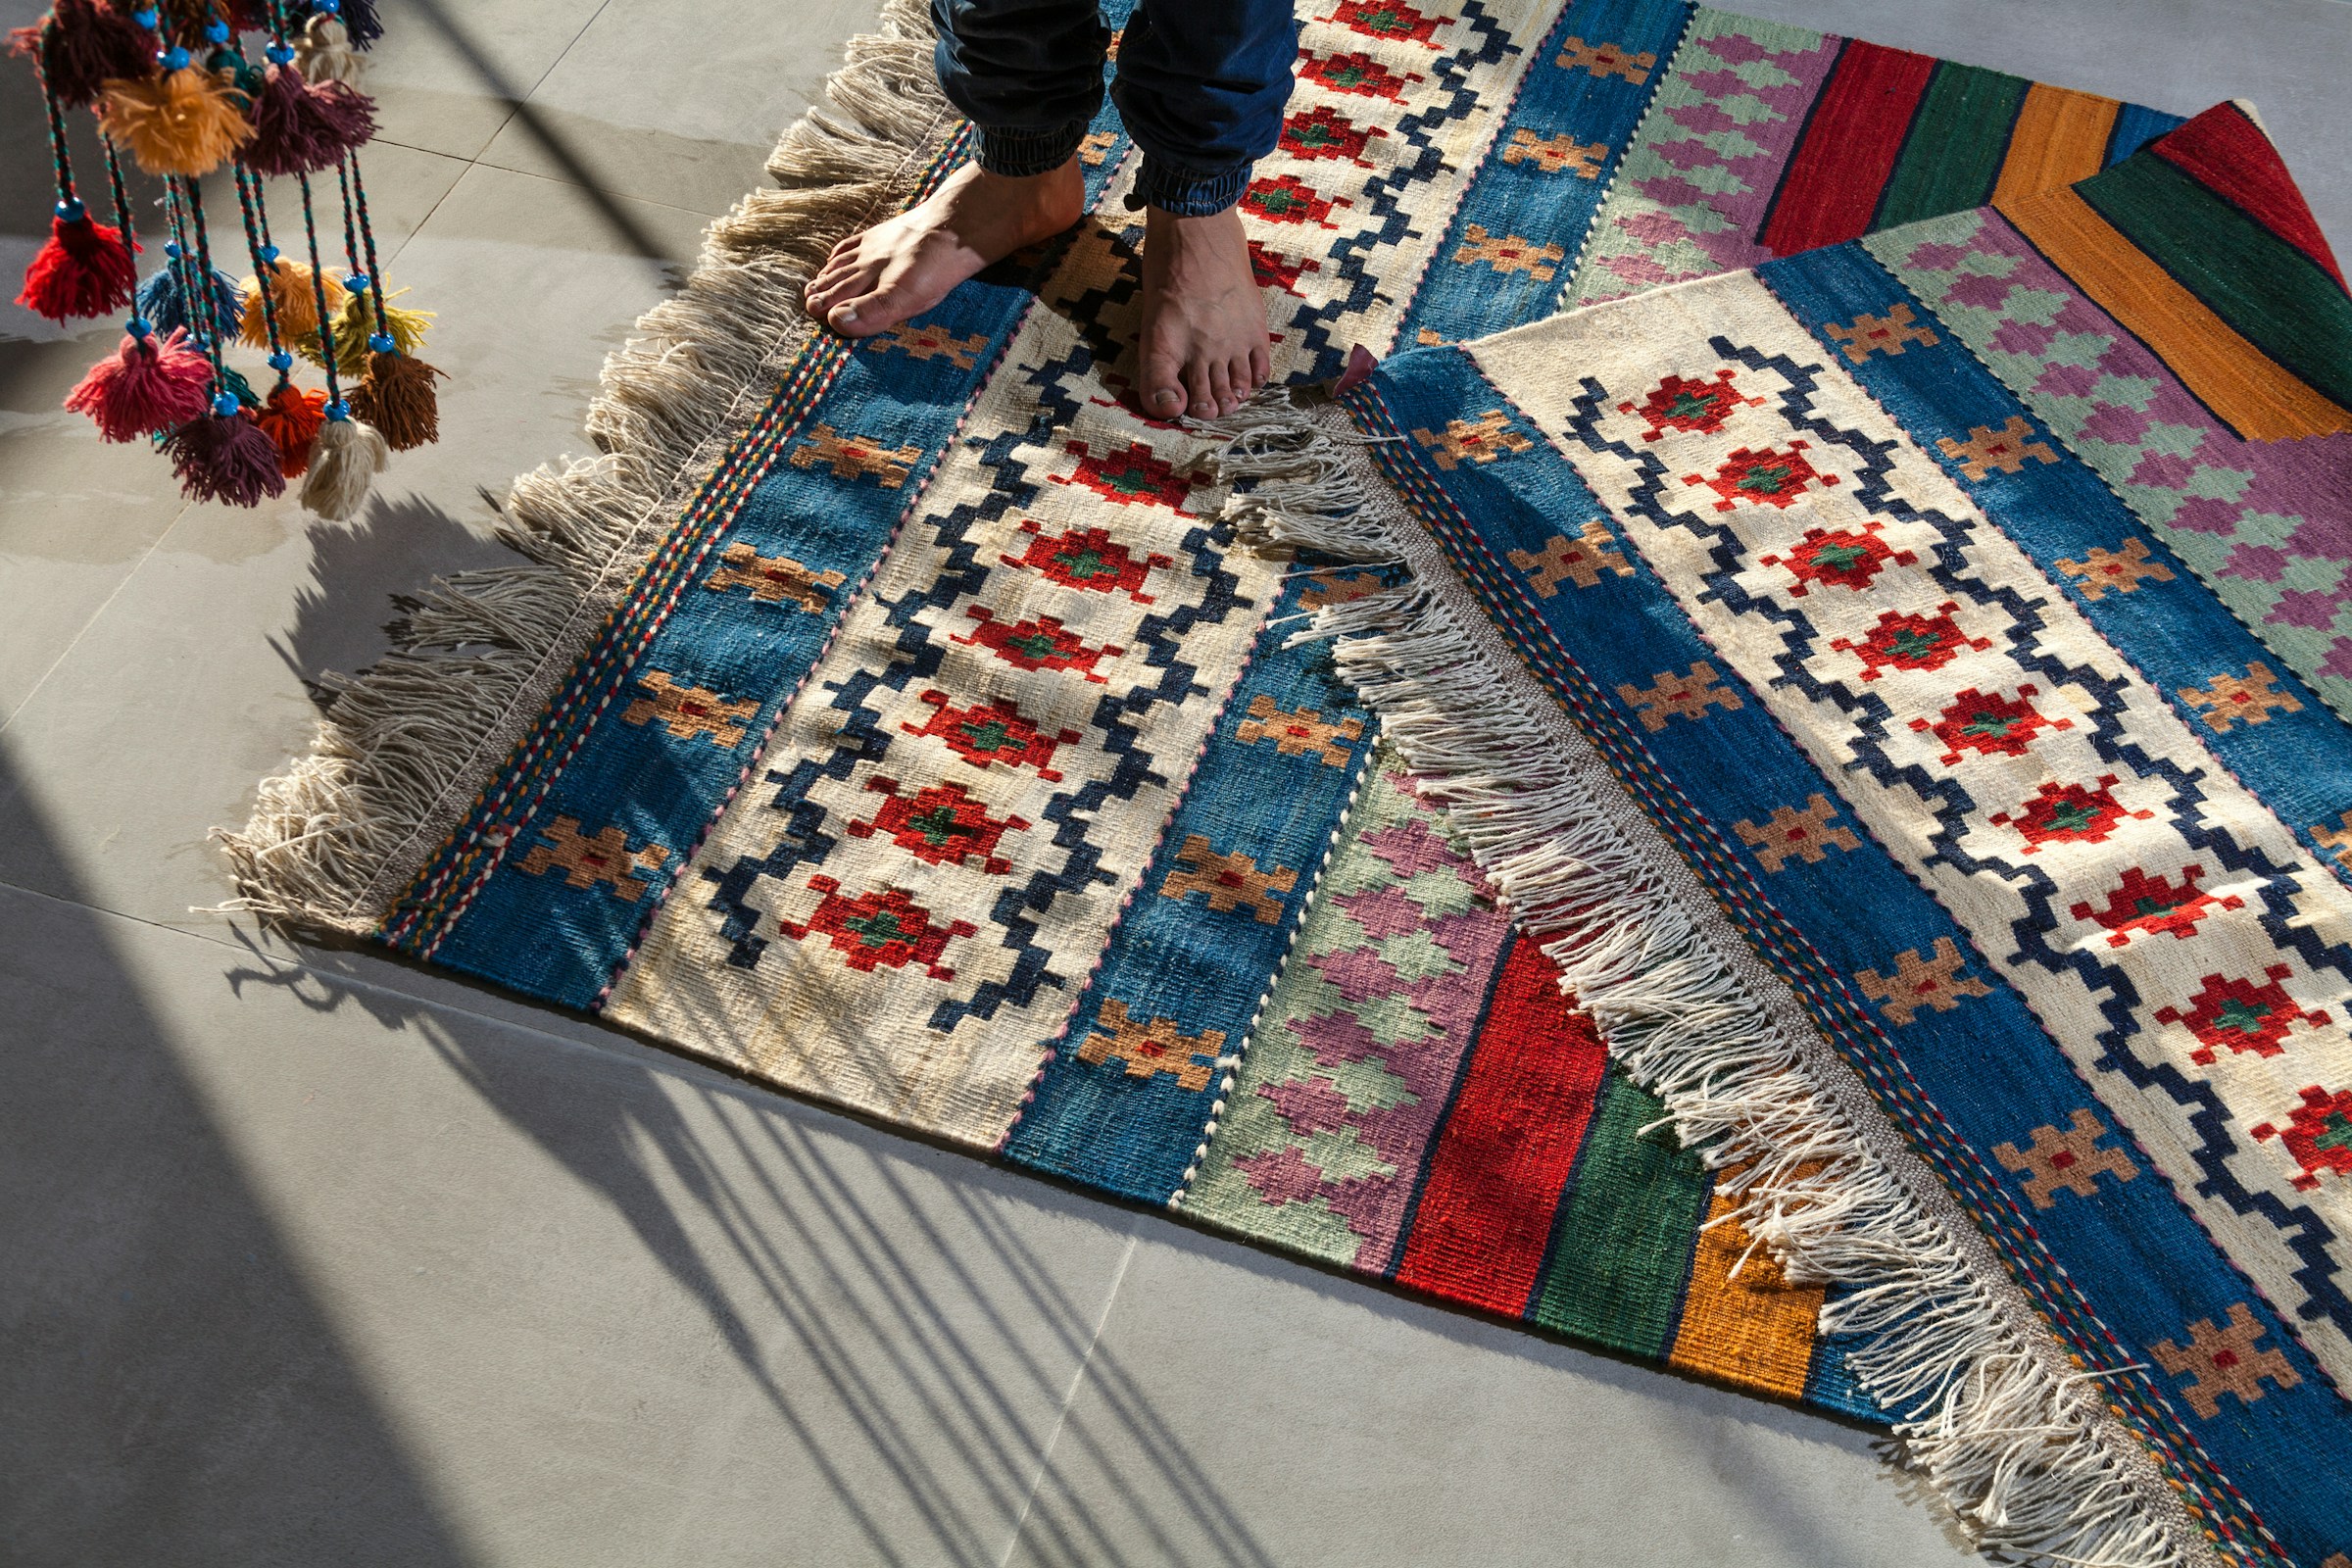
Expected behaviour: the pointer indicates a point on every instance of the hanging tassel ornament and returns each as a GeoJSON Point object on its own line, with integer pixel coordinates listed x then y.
{"type": "Point", "coordinates": [152, 382]}
{"type": "Point", "coordinates": [326, 54]}
{"type": "Point", "coordinates": [300, 127]}
{"type": "Point", "coordinates": [82, 46]}
{"type": "Point", "coordinates": [398, 398]}
{"type": "Point", "coordinates": [185, 121]}
{"type": "Point", "coordinates": [164, 298]}
{"type": "Point", "coordinates": [344, 462]}
{"type": "Point", "coordinates": [222, 455]}
{"type": "Point", "coordinates": [291, 416]}
{"type": "Point", "coordinates": [85, 267]}
{"type": "Point", "coordinates": [347, 455]}
{"type": "Point", "coordinates": [294, 294]}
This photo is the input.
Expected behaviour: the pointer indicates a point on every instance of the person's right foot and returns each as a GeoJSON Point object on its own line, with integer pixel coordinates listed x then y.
{"type": "Point", "coordinates": [1204, 339]}
{"type": "Point", "coordinates": [901, 267]}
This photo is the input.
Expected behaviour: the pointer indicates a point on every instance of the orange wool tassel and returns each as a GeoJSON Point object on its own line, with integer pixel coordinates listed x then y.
{"type": "Point", "coordinates": [297, 302]}
{"type": "Point", "coordinates": [185, 122]}
{"type": "Point", "coordinates": [291, 417]}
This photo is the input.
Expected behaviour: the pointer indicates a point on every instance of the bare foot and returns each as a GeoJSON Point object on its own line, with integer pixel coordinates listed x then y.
{"type": "Point", "coordinates": [898, 270]}
{"type": "Point", "coordinates": [1204, 345]}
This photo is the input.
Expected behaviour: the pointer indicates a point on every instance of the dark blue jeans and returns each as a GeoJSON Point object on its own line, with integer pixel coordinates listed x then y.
{"type": "Point", "coordinates": [1200, 86]}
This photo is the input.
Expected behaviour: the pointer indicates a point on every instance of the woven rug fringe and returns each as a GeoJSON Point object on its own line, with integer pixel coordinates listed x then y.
{"type": "Point", "coordinates": [2012, 1436]}
{"type": "Point", "coordinates": [407, 744]}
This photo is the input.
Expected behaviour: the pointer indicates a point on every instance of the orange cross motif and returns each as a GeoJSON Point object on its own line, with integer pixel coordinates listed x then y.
{"type": "Point", "coordinates": [1482, 441]}
{"type": "Point", "coordinates": [1886, 335]}
{"type": "Point", "coordinates": [1304, 733]}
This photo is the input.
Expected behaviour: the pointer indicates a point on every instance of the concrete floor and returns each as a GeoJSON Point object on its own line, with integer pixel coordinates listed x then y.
{"type": "Point", "coordinates": [313, 1258]}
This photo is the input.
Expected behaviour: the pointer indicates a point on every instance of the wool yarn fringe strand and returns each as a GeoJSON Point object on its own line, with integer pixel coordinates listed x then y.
{"type": "Point", "coordinates": [409, 742]}
{"type": "Point", "coordinates": [2014, 1438]}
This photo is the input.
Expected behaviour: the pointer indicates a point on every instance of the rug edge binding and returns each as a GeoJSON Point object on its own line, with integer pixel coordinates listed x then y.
{"type": "Point", "coordinates": [2012, 1436]}
{"type": "Point", "coordinates": [400, 757]}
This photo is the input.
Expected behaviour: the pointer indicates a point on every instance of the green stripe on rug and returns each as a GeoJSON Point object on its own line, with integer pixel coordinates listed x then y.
{"type": "Point", "coordinates": [1621, 1251]}
{"type": "Point", "coordinates": [1952, 158]}
{"type": "Point", "coordinates": [2271, 293]}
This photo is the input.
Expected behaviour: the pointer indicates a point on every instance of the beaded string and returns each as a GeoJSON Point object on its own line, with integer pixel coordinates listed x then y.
{"type": "Point", "coordinates": [177, 257]}
{"type": "Point", "coordinates": [68, 205]}
{"type": "Point", "coordinates": [256, 215]}
{"type": "Point", "coordinates": [211, 298]}
{"type": "Point", "coordinates": [119, 196]}
{"type": "Point", "coordinates": [336, 407]}
{"type": "Point", "coordinates": [383, 331]}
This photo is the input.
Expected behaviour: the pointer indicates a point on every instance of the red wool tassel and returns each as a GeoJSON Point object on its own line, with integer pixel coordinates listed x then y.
{"type": "Point", "coordinates": [224, 456]}
{"type": "Point", "coordinates": [84, 269]}
{"type": "Point", "coordinates": [82, 44]}
{"type": "Point", "coordinates": [151, 383]}
{"type": "Point", "coordinates": [299, 128]}
{"type": "Point", "coordinates": [290, 419]}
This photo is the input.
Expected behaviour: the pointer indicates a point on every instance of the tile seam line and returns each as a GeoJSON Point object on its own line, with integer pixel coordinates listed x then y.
{"type": "Point", "coordinates": [539, 81]}
{"type": "Point", "coordinates": [108, 603]}
{"type": "Point", "coordinates": [1045, 1455]}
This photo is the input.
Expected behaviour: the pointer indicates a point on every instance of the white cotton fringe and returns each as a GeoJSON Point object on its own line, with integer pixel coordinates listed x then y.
{"type": "Point", "coordinates": [409, 742]}
{"type": "Point", "coordinates": [2007, 1430]}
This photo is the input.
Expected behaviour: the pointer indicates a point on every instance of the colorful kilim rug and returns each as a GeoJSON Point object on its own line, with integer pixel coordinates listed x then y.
{"type": "Point", "coordinates": [1910, 663]}
{"type": "Point", "coordinates": [905, 724]}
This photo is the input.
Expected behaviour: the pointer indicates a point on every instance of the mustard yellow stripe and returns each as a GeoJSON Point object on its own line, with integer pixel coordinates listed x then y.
{"type": "Point", "coordinates": [2060, 138]}
{"type": "Point", "coordinates": [1756, 1331]}
{"type": "Point", "coordinates": [2245, 388]}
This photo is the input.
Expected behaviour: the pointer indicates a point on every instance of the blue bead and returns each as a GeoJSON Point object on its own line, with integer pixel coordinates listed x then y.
{"type": "Point", "coordinates": [282, 360]}
{"type": "Point", "coordinates": [138, 326]}
{"type": "Point", "coordinates": [175, 58]}
{"type": "Point", "coordinates": [268, 254]}
{"type": "Point", "coordinates": [225, 404]}
{"type": "Point", "coordinates": [357, 283]}
{"type": "Point", "coordinates": [326, 8]}
{"type": "Point", "coordinates": [146, 18]}
{"type": "Point", "coordinates": [171, 249]}
{"type": "Point", "coordinates": [280, 54]}
{"type": "Point", "coordinates": [337, 410]}
{"type": "Point", "coordinates": [380, 342]}
{"type": "Point", "coordinates": [216, 31]}
{"type": "Point", "coordinates": [72, 211]}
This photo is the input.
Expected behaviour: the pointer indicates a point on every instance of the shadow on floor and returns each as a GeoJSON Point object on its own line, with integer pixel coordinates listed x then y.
{"type": "Point", "coordinates": [173, 1390]}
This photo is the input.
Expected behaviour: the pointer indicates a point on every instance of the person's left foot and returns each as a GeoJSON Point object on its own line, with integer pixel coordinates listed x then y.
{"type": "Point", "coordinates": [1203, 340]}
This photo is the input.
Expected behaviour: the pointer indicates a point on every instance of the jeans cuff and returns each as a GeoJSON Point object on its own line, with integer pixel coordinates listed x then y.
{"type": "Point", "coordinates": [1189, 193]}
{"type": "Point", "coordinates": [1018, 151]}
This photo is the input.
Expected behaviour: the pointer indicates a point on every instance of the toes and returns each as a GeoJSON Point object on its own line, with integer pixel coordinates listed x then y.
{"type": "Point", "coordinates": [1220, 387]}
{"type": "Point", "coordinates": [860, 315]}
{"type": "Point", "coordinates": [1199, 397]}
{"type": "Point", "coordinates": [1236, 370]}
{"type": "Point", "coordinates": [1163, 395]}
{"type": "Point", "coordinates": [1262, 368]}
{"type": "Point", "coordinates": [833, 285]}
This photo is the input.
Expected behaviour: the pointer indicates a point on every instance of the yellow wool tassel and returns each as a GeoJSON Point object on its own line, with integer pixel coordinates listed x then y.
{"type": "Point", "coordinates": [354, 321]}
{"type": "Point", "coordinates": [295, 301]}
{"type": "Point", "coordinates": [185, 121]}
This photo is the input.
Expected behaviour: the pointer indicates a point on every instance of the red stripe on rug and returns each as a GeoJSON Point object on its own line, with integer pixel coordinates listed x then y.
{"type": "Point", "coordinates": [2227, 153]}
{"type": "Point", "coordinates": [1509, 1144]}
{"type": "Point", "coordinates": [1851, 143]}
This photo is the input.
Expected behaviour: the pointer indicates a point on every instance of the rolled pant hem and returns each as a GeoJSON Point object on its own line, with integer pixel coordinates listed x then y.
{"type": "Point", "coordinates": [1020, 151]}
{"type": "Point", "coordinates": [1189, 193]}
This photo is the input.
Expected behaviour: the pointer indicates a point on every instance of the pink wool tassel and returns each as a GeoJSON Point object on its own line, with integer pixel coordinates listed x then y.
{"type": "Point", "coordinates": [224, 456]}
{"type": "Point", "coordinates": [151, 383]}
{"type": "Point", "coordinates": [299, 128]}
{"type": "Point", "coordinates": [84, 269]}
